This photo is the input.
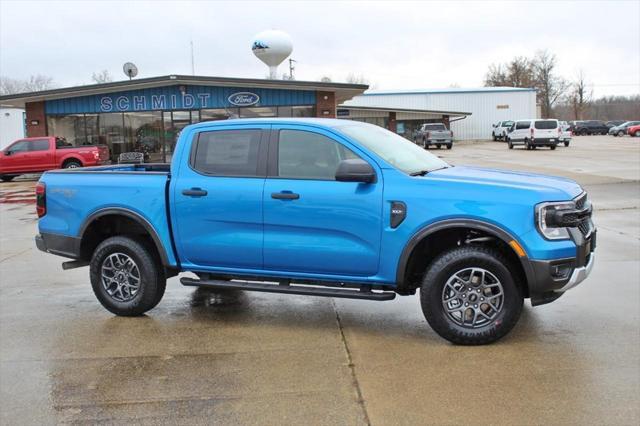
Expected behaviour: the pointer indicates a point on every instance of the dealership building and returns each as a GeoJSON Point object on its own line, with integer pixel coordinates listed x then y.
{"type": "Point", "coordinates": [147, 114]}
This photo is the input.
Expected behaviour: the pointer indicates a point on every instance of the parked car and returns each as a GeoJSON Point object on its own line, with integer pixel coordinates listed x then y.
{"type": "Point", "coordinates": [565, 133]}
{"type": "Point", "coordinates": [613, 123]}
{"type": "Point", "coordinates": [437, 134]}
{"type": "Point", "coordinates": [533, 133]}
{"type": "Point", "coordinates": [322, 207]}
{"type": "Point", "coordinates": [500, 130]}
{"type": "Point", "coordinates": [590, 127]}
{"type": "Point", "coordinates": [621, 130]}
{"type": "Point", "coordinates": [34, 155]}
{"type": "Point", "coordinates": [634, 130]}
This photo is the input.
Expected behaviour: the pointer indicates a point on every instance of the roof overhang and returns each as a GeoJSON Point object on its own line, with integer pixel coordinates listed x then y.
{"type": "Point", "coordinates": [403, 110]}
{"type": "Point", "coordinates": [343, 91]}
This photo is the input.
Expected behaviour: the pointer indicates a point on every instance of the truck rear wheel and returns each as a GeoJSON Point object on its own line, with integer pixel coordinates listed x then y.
{"type": "Point", "coordinates": [126, 277]}
{"type": "Point", "coordinates": [71, 164]}
{"type": "Point", "coordinates": [469, 297]}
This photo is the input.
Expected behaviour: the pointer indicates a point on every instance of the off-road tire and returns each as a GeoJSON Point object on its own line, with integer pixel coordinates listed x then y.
{"type": "Point", "coordinates": [152, 277]}
{"type": "Point", "coordinates": [7, 178]}
{"type": "Point", "coordinates": [452, 261]}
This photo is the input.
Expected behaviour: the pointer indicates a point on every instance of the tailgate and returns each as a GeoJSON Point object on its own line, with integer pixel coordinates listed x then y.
{"type": "Point", "coordinates": [103, 152]}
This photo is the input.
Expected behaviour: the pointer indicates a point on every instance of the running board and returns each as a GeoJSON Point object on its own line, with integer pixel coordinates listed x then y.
{"type": "Point", "coordinates": [364, 292]}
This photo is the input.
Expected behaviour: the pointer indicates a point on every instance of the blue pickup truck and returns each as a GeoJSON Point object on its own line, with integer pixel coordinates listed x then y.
{"type": "Point", "coordinates": [326, 208]}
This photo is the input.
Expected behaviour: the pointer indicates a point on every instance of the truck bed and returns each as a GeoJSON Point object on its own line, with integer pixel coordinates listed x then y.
{"type": "Point", "coordinates": [74, 198]}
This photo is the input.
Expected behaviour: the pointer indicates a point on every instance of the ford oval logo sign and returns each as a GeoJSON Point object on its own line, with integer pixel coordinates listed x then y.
{"type": "Point", "coordinates": [244, 99]}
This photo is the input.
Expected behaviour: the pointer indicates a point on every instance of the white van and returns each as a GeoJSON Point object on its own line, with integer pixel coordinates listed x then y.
{"type": "Point", "coordinates": [500, 130]}
{"type": "Point", "coordinates": [533, 133]}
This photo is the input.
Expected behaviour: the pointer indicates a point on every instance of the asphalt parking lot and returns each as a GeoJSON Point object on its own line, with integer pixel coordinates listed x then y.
{"type": "Point", "coordinates": [257, 358]}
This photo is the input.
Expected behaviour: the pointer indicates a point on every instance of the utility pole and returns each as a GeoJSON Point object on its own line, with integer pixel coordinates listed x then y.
{"type": "Point", "coordinates": [193, 66]}
{"type": "Point", "coordinates": [291, 68]}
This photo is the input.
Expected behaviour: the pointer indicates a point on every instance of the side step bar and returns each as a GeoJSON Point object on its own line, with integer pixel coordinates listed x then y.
{"type": "Point", "coordinates": [364, 292]}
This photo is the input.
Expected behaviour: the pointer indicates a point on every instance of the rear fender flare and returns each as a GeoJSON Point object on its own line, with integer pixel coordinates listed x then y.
{"type": "Point", "coordinates": [118, 211]}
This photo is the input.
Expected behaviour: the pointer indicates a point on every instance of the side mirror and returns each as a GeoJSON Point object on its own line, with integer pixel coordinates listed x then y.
{"type": "Point", "coordinates": [493, 125]}
{"type": "Point", "coordinates": [355, 170]}
{"type": "Point", "coordinates": [7, 153]}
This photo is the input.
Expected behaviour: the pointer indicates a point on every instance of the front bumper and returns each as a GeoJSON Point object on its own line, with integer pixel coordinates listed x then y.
{"type": "Point", "coordinates": [551, 278]}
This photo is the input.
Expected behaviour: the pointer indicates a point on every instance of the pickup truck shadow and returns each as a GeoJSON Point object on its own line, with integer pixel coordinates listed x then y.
{"type": "Point", "coordinates": [399, 318]}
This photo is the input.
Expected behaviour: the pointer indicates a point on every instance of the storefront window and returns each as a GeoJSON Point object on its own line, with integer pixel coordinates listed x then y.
{"type": "Point", "coordinates": [92, 129]}
{"type": "Point", "coordinates": [296, 111]}
{"type": "Point", "coordinates": [143, 132]}
{"type": "Point", "coordinates": [218, 114]}
{"type": "Point", "coordinates": [111, 131]}
{"type": "Point", "coordinates": [258, 112]}
{"type": "Point", "coordinates": [71, 127]}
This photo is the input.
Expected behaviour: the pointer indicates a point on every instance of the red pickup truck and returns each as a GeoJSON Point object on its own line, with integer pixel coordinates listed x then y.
{"type": "Point", "coordinates": [34, 155]}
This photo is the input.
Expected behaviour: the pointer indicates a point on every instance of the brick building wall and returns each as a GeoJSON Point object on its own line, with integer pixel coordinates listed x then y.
{"type": "Point", "coordinates": [325, 104]}
{"type": "Point", "coordinates": [36, 119]}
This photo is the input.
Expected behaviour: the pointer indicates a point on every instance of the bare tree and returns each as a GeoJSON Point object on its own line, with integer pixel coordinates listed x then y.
{"type": "Point", "coordinates": [356, 79]}
{"type": "Point", "coordinates": [325, 79]}
{"type": "Point", "coordinates": [520, 72]}
{"type": "Point", "coordinates": [496, 76]}
{"type": "Point", "coordinates": [35, 83]}
{"type": "Point", "coordinates": [101, 77]}
{"type": "Point", "coordinates": [580, 96]}
{"type": "Point", "coordinates": [550, 86]}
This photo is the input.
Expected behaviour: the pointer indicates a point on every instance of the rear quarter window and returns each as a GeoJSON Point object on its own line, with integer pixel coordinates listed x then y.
{"type": "Point", "coordinates": [546, 124]}
{"type": "Point", "coordinates": [435, 127]}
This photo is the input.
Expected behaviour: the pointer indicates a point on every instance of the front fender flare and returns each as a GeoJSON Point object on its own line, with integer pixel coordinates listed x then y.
{"type": "Point", "coordinates": [458, 223]}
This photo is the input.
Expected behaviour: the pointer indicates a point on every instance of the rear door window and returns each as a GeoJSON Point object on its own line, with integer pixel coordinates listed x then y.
{"type": "Point", "coordinates": [522, 125]}
{"type": "Point", "coordinates": [227, 153]}
{"type": "Point", "coordinates": [507, 123]}
{"type": "Point", "coordinates": [39, 145]}
{"type": "Point", "coordinates": [546, 124]}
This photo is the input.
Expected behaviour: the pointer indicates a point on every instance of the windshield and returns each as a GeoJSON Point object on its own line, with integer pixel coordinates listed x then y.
{"type": "Point", "coordinates": [507, 123]}
{"type": "Point", "coordinates": [394, 149]}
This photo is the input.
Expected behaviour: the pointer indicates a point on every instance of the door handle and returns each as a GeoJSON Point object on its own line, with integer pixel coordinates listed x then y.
{"type": "Point", "coordinates": [194, 192]}
{"type": "Point", "coordinates": [285, 195]}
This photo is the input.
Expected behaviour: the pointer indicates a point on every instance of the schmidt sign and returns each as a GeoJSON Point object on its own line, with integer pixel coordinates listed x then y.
{"type": "Point", "coordinates": [171, 101]}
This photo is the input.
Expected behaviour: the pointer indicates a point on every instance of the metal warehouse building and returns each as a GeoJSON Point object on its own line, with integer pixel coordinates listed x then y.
{"type": "Point", "coordinates": [484, 106]}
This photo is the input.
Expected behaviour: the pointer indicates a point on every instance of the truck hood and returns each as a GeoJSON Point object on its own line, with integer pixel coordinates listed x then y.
{"type": "Point", "coordinates": [550, 188]}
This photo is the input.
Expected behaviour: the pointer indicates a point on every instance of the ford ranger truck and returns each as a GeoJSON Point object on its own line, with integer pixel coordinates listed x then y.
{"type": "Point", "coordinates": [35, 155]}
{"type": "Point", "coordinates": [322, 207]}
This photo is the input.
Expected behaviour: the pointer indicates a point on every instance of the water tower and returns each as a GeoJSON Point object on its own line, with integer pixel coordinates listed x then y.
{"type": "Point", "coordinates": [272, 47]}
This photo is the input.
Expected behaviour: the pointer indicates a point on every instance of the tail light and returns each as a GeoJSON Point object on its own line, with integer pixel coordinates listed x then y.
{"type": "Point", "coordinates": [41, 199]}
{"type": "Point", "coordinates": [96, 155]}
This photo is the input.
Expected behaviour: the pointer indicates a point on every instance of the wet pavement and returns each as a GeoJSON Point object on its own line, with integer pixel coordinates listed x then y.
{"type": "Point", "coordinates": [254, 358]}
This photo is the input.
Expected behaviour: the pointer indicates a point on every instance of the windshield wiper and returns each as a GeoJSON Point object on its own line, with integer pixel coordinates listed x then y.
{"type": "Point", "coordinates": [419, 173]}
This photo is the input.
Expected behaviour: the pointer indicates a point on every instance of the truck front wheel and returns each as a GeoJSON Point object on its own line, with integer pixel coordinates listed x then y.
{"type": "Point", "coordinates": [469, 296]}
{"type": "Point", "coordinates": [126, 277]}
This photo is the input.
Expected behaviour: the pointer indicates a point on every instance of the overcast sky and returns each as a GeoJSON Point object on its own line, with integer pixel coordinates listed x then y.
{"type": "Point", "coordinates": [395, 45]}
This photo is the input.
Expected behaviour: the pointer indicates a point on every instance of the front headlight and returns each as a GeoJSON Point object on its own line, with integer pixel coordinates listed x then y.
{"type": "Point", "coordinates": [545, 220]}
